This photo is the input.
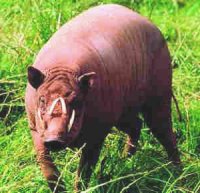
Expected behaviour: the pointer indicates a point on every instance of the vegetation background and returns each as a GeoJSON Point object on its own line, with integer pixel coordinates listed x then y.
{"type": "Point", "coordinates": [24, 27]}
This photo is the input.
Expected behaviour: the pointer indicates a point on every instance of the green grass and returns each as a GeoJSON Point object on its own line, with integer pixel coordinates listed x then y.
{"type": "Point", "coordinates": [24, 27]}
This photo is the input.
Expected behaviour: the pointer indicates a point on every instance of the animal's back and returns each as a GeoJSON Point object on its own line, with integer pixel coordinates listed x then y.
{"type": "Point", "coordinates": [116, 43]}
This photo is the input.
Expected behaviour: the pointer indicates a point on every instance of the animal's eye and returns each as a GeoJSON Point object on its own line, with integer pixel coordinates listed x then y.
{"type": "Point", "coordinates": [67, 94]}
{"type": "Point", "coordinates": [42, 102]}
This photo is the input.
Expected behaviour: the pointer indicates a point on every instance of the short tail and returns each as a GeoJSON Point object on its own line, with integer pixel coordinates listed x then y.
{"type": "Point", "coordinates": [180, 118]}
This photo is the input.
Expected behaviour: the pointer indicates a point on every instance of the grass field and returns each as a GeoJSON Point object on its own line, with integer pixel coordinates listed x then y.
{"type": "Point", "coordinates": [24, 27]}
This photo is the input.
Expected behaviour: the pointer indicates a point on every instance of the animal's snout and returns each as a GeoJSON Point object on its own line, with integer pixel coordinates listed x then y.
{"type": "Point", "coordinates": [54, 144]}
{"type": "Point", "coordinates": [55, 134]}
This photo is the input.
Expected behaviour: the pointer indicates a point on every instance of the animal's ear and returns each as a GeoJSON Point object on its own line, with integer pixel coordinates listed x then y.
{"type": "Point", "coordinates": [35, 77]}
{"type": "Point", "coordinates": [86, 81]}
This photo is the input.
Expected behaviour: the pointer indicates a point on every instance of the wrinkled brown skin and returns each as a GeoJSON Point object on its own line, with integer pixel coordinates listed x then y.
{"type": "Point", "coordinates": [133, 74]}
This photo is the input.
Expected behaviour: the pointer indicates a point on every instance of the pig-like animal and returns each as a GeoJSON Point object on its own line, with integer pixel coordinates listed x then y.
{"type": "Point", "coordinates": [99, 70]}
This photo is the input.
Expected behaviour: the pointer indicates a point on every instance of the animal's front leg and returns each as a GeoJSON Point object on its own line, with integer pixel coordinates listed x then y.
{"type": "Point", "coordinates": [89, 158]}
{"type": "Point", "coordinates": [48, 168]}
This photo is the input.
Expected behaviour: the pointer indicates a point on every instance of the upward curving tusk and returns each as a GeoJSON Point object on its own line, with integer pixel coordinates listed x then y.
{"type": "Point", "coordinates": [64, 109]}
{"type": "Point", "coordinates": [63, 105]}
{"type": "Point", "coordinates": [53, 106]}
{"type": "Point", "coordinates": [40, 119]}
{"type": "Point", "coordinates": [39, 115]}
{"type": "Point", "coordinates": [71, 121]}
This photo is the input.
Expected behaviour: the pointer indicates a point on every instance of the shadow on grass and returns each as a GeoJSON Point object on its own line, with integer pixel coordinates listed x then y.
{"type": "Point", "coordinates": [10, 111]}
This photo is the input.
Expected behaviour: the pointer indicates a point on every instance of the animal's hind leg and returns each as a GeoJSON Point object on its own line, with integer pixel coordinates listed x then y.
{"type": "Point", "coordinates": [158, 117]}
{"type": "Point", "coordinates": [134, 135]}
{"type": "Point", "coordinates": [132, 129]}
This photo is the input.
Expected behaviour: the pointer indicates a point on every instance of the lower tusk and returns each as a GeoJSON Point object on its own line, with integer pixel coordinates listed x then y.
{"type": "Point", "coordinates": [71, 121]}
{"type": "Point", "coordinates": [40, 118]}
{"type": "Point", "coordinates": [39, 115]}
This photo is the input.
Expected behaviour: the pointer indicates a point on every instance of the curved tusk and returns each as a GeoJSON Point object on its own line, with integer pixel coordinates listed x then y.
{"type": "Point", "coordinates": [64, 109]}
{"type": "Point", "coordinates": [53, 106]}
{"type": "Point", "coordinates": [71, 121]}
{"type": "Point", "coordinates": [85, 75]}
{"type": "Point", "coordinates": [39, 115]}
{"type": "Point", "coordinates": [40, 119]}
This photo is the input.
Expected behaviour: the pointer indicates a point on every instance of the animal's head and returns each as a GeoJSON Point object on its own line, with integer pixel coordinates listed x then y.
{"type": "Point", "coordinates": [60, 105]}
